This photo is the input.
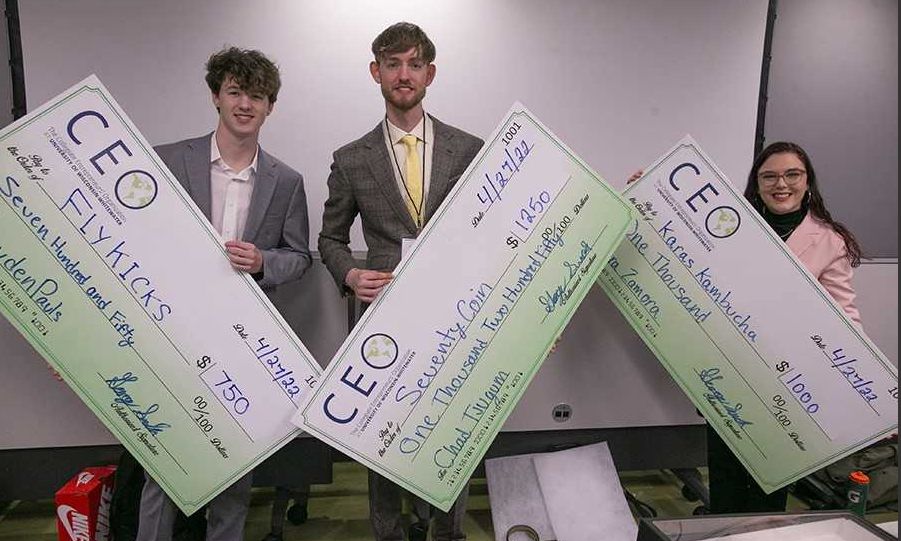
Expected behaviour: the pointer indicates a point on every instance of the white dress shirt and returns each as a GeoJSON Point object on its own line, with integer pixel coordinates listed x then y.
{"type": "Point", "coordinates": [230, 193]}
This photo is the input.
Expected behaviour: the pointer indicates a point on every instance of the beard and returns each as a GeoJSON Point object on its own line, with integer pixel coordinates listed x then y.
{"type": "Point", "coordinates": [403, 103]}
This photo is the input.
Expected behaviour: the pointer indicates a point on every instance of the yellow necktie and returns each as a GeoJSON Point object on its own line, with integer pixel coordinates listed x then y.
{"type": "Point", "coordinates": [413, 178]}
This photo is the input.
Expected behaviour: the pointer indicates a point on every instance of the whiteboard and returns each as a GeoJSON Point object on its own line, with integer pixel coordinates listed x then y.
{"type": "Point", "coordinates": [619, 81]}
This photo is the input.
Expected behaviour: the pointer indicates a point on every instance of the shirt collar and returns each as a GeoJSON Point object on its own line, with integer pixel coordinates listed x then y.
{"type": "Point", "coordinates": [395, 134]}
{"type": "Point", "coordinates": [216, 158]}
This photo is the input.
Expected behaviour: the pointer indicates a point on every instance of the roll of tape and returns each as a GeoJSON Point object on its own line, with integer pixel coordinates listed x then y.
{"type": "Point", "coordinates": [528, 530]}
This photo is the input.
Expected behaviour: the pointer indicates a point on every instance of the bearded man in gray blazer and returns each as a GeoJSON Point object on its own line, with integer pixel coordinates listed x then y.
{"type": "Point", "coordinates": [394, 178]}
{"type": "Point", "coordinates": [259, 207]}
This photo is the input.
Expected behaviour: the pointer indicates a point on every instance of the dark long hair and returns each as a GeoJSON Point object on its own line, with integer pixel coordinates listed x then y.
{"type": "Point", "coordinates": [816, 206]}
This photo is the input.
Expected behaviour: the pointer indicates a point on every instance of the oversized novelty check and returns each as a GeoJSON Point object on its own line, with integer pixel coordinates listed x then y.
{"type": "Point", "coordinates": [773, 363]}
{"type": "Point", "coordinates": [424, 382]}
{"type": "Point", "coordinates": [117, 279]}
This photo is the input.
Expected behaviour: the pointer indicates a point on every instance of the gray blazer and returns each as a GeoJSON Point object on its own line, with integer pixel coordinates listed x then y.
{"type": "Point", "coordinates": [362, 182]}
{"type": "Point", "coordinates": [277, 221]}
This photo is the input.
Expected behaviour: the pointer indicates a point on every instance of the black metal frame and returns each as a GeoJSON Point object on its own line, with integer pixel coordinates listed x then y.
{"type": "Point", "coordinates": [762, 97]}
{"type": "Point", "coordinates": [731, 524]}
{"type": "Point", "coordinates": [16, 65]}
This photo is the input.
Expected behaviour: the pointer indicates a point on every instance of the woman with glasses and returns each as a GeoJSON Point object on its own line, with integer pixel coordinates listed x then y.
{"type": "Point", "coordinates": [783, 188]}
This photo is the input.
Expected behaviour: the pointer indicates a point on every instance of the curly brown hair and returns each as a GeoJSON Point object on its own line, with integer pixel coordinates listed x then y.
{"type": "Point", "coordinates": [249, 68]}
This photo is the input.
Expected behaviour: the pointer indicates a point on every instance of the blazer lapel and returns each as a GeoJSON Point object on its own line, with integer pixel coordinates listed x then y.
{"type": "Point", "coordinates": [263, 189]}
{"type": "Point", "coordinates": [804, 236]}
{"type": "Point", "coordinates": [442, 159]}
{"type": "Point", "coordinates": [382, 169]}
{"type": "Point", "coordinates": [197, 165]}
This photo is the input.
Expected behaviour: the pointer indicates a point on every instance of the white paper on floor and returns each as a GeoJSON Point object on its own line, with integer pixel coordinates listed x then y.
{"type": "Point", "coordinates": [571, 495]}
{"type": "Point", "coordinates": [515, 497]}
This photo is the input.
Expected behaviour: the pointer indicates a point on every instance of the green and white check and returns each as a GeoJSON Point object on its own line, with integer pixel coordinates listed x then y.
{"type": "Point", "coordinates": [763, 351]}
{"type": "Point", "coordinates": [119, 281]}
{"type": "Point", "coordinates": [491, 282]}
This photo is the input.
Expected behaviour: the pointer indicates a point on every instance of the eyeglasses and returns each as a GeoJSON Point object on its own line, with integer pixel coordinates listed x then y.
{"type": "Point", "coordinates": [791, 176]}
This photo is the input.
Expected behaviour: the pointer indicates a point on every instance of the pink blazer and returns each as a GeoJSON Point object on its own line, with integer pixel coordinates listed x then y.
{"type": "Point", "coordinates": [822, 251]}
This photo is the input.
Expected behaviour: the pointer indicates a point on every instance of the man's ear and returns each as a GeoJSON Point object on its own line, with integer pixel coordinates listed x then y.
{"type": "Point", "coordinates": [374, 71]}
{"type": "Point", "coordinates": [430, 74]}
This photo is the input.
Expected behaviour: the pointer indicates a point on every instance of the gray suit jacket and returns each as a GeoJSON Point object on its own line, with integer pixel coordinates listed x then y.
{"type": "Point", "coordinates": [362, 182]}
{"type": "Point", "coordinates": [277, 221]}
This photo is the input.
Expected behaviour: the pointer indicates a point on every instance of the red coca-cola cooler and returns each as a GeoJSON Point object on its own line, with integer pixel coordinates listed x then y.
{"type": "Point", "coordinates": [83, 505]}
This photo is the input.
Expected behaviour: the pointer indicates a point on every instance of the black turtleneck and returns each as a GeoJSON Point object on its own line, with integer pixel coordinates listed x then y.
{"type": "Point", "coordinates": [785, 224]}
